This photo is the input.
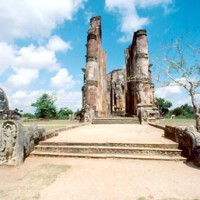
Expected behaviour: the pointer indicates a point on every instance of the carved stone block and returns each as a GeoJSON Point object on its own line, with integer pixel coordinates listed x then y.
{"type": "Point", "coordinates": [12, 143]}
{"type": "Point", "coordinates": [15, 143]}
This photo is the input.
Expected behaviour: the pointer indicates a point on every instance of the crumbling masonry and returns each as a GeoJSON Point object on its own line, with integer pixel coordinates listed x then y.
{"type": "Point", "coordinates": [123, 92]}
{"type": "Point", "coordinates": [95, 88]}
{"type": "Point", "coordinates": [140, 98]}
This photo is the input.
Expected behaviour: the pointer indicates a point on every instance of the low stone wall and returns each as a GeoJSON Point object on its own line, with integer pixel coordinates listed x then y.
{"type": "Point", "coordinates": [188, 139]}
{"type": "Point", "coordinates": [17, 144]}
{"type": "Point", "coordinates": [157, 126]}
{"type": "Point", "coordinates": [55, 132]}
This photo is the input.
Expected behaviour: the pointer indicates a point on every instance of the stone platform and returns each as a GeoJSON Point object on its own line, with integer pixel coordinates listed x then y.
{"type": "Point", "coordinates": [125, 141]}
{"type": "Point", "coordinates": [116, 120]}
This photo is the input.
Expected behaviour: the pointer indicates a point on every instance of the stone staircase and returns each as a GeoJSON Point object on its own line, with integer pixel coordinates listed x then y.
{"type": "Point", "coordinates": [116, 120]}
{"type": "Point", "coordinates": [148, 151]}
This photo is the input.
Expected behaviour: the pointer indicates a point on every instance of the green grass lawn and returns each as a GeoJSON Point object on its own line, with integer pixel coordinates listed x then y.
{"type": "Point", "coordinates": [47, 124]}
{"type": "Point", "coordinates": [176, 122]}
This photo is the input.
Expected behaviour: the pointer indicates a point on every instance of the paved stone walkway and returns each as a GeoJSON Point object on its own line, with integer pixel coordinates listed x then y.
{"type": "Point", "coordinates": [113, 133]}
{"type": "Point", "coordinates": [109, 179]}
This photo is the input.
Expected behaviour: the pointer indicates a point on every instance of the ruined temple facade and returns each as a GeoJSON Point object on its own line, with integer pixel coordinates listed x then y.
{"type": "Point", "coordinates": [140, 89]}
{"type": "Point", "coordinates": [124, 92]}
{"type": "Point", "coordinates": [95, 86]}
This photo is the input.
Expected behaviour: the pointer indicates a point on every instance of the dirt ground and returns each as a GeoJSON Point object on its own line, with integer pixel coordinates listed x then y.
{"type": "Point", "coordinates": [97, 179]}
{"type": "Point", "coordinates": [102, 179]}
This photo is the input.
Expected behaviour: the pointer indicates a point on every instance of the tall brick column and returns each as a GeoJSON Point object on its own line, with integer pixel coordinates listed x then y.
{"type": "Point", "coordinates": [94, 90]}
{"type": "Point", "coordinates": [140, 89]}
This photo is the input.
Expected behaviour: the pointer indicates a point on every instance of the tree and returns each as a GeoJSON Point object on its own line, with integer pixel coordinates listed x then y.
{"type": "Point", "coordinates": [78, 112]}
{"type": "Point", "coordinates": [182, 67]}
{"type": "Point", "coordinates": [45, 106]}
{"type": "Point", "coordinates": [185, 110]}
{"type": "Point", "coordinates": [64, 113]}
{"type": "Point", "coordinates": [163, 105]}
{"type": "Point", "coordinates": [28, 115]}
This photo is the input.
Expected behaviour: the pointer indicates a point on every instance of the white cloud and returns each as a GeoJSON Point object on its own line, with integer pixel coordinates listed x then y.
{"type": "Point", "coordinates": [62, 79]}
{"type": "Point", "coordinates": [27, 62]}
{"type": "Point", "coordinates": [72, 100]}
{"type": "Point", "coordinates": [129, 19]}
{"type": "Point", "coordinates": [168, 91]}
{"type": "Point", "coordinates": [23, 99]}
{"type": "Point", "coordinates": [57, 44]}
{"type": "Point", "coordinates": [22, 78]}
{"type": "Point", "coordinates": [34, 18]}
{"type": "Point", "coordinates": [36, 58]}
{"type": "Point", "coordinates": [88, 16]}
{"type": "Point", "coordinates": [30, 57]}
{"type": "Point", "coordinates": [23, 65]}
{"type": "Point", "coordinates": [6, 56]}
{"type": "Point", "coordinates": [174, 94]}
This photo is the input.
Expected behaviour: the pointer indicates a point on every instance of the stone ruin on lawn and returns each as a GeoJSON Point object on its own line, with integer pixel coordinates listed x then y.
{"type": "Point", "coordinates": [122, 92]}
{"type": "Point", "coordinates": [15, 143]}
{"type": "Point", "coordinates": [128, 91]}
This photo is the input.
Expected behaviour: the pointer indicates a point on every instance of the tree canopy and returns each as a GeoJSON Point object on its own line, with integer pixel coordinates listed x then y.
{"type": "Point", "coordinates": [163, 105]}
{"type": "Point", "coordinates": [64, 113]}
{"type": "Point", "coordinates": [185, 111]}
{"type": "Point", "coordinates": [45, 106]}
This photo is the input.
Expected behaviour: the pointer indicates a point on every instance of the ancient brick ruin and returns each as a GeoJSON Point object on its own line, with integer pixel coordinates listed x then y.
{"type": "Point", "coordinates": [140, 98]}
{"type": "Point", "coordinates": [122, 92]}
{"type": "Point", "coordinates": [95, 88]}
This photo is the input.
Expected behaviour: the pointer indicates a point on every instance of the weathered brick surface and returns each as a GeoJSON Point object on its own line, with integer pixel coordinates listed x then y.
{"type": "Point", "coordinates": [188, 139]}
{"type": "Point", "coordinates": [140, 89]}
{"type": "Point", "coordinates": [123, 91]}
{"type": "Point", "coordinates": [94, 90]}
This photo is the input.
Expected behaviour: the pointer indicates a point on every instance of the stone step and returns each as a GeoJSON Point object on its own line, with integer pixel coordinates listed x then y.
{"type": "Point", "coordinates": [119, 156]}
{"type": "Point", "coordinates": [125, 144]}
{"type": "Point", "coordinates": [109, 150]}
{"type": "Point", "coordinates": [116, 120]}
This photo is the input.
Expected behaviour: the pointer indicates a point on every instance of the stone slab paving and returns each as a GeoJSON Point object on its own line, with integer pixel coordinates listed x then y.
{"type": "Point", "coordinates": [113, 133]}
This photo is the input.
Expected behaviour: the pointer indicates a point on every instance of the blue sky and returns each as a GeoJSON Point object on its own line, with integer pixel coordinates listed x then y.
{"type": "Point", "coordinates": [42, 43]}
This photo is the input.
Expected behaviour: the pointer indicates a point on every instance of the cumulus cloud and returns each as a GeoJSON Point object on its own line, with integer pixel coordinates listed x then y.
{"type": "Point", "coordinates": [22, 78]}
{"type": "Point", "coordinates": [21, 66]}
{"type": "Point", "coordinates": [129, 19]}
{"type": "Point", "coordinates": [34, 18]}
{"type": "Point", "coordinates": [71, 100]}
{"type": "Point", "coordinates": [57, 44]}
{"type": "Point", "coordinates": [26, 62]}
{"type": "Point", "coordinates": [7, 55]}
{"type": "Point", "coordinates": [174, 94]}
{"type": "Point", "coordinates": [168, 91]}
{"type": "Point", "coordinates": [62, 79]}
{"type": "Point", "coordinates": [22, 100]}
{"type": "Point", "coordinates": [36, 58]}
